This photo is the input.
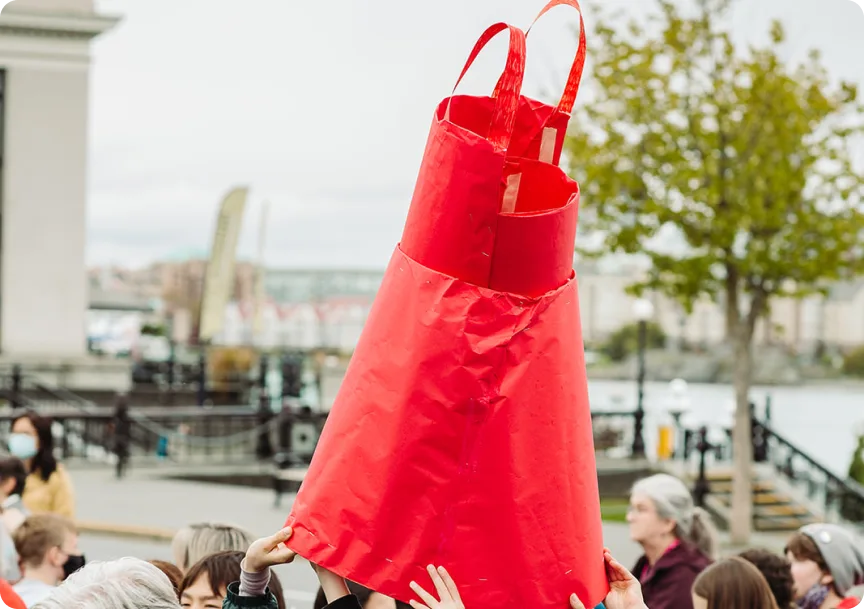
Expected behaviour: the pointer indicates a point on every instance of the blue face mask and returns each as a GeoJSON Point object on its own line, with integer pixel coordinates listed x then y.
{"type": "Point", "coordinates": [22, 445]}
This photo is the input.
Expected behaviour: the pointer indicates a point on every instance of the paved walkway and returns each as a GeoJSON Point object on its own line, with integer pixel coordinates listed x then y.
{"type": "Point", "coordinates": [147, 505]}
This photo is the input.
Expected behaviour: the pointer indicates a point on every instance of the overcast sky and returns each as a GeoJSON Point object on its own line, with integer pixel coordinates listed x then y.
{"type": "Point", "coordinates": [322, 108]}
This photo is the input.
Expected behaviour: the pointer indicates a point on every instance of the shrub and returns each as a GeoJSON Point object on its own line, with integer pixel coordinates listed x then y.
{"type": "Point", "coordinates": [625, 341]}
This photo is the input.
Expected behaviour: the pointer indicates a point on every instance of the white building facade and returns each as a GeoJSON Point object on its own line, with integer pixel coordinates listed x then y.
{"type": "Point", "coordinates": [45, 63]}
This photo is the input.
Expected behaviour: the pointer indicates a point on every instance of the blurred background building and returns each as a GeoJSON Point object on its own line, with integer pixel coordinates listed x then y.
{"type": "Point", "coordinates": [311, 308]}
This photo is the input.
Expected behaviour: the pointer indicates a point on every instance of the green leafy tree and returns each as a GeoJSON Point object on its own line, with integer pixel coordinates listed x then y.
{"type": "Point", "coordinates": [625, 340]}
{"type": "Point", "coordinates": [856, 470]}
{"type": "Point", "coordinates": [853, 362]}
{"type": "Point", "coordinates": [726, 168]}
{"type": "Point", "coordinates": [850, 507]}
{"type": "Point", "coordinates": [153, 329]}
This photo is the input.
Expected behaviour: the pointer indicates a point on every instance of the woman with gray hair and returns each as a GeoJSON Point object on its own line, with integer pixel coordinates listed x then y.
{"type": "Point", "coordinates": [128, 583]}
{"type": "Point", "coordinates": [194, 542]}
{"type": "Point", "coordinates": [678, 540]}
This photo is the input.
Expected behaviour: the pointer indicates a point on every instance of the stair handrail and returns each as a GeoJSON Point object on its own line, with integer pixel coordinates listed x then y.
{"type": "Point", "coordinates": [62, 394]}
{"type": "Point", "coordinates": [847, 486]}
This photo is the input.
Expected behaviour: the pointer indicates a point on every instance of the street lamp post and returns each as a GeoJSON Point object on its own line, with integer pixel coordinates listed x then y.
{"type": "Point", "coordinates": [643, 310]}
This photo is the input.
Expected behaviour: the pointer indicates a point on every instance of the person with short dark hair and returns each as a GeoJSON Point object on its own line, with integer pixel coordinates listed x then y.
{"type": "Point", "coordinates": [205, 584]}
{"type": "Point", "coordinates": [777, 571]}
{"type": "Point", "coordinates": [13, 478]}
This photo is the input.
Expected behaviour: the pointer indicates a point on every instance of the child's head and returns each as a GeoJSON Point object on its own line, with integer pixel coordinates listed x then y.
{"type": "Point", "coordinates": [205, 584]}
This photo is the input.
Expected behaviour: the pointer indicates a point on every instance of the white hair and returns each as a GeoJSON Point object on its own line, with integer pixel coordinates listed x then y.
{"type": "Point", "coordinates": [673, 501]}
{"type": "Point", "coordinates": [128, 583]}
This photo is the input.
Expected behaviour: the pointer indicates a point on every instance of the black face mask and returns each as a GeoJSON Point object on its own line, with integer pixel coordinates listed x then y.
{"type": "Point", "coordinates": [72, 564]}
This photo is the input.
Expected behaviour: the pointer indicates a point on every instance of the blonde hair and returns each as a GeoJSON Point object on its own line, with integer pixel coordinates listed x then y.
{"type": "Point", "coordinates": [194, 542]}
{"type": "Point", "coordinates": [673, 501]}
{"type": "Point", "coordinates": [38, 534]}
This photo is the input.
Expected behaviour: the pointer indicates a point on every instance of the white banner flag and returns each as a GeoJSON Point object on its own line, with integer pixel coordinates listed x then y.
{"type": "Point", "coordinates": [219, 279]}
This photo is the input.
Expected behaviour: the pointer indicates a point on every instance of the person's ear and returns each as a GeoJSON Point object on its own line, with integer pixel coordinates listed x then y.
{"type": "Point", "coordinates": [55, 557]}
{"type": "Point", "coordinates": [827, 580]}
{"type": "Point", "coordinates": [669, 526]}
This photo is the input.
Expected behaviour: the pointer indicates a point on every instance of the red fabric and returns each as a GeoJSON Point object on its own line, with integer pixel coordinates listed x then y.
{"type": "Point", "coordinates": [533, 251]}
{"type": "Point", "coordinates": [850, 603]}
{"type": "Point", "coordinates": [461, 435]}
{"type": "Point", "coordinates": [533, 116]}
{"type": "Point", "coordinates": [534, 244]}
{"type": "Point", "coordinates": [10, 597]}
{"type": "Point", "coordinates": [462, 172]}
{"type": "Point", "coordinates": [528, 251]}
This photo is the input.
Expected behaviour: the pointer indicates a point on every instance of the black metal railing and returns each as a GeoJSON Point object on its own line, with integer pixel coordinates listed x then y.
{"type": "Point", "coordinates": [178, 434]}
{"type": "Point", "coordinates": [827, 495]}
{"type": "Point", "coordinates": [838, 497]}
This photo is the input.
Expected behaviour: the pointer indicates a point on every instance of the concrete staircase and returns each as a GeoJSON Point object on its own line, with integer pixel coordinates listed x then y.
{"type": "Point", "coordinates": [776, 506]}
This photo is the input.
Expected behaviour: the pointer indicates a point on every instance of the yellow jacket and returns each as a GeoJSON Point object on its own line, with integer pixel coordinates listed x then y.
{"type": "Point", "coordinates": [54, 495]}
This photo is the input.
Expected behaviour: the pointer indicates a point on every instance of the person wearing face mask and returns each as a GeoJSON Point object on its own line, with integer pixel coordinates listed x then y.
{"type": "Point", "coordinates": [47, 488]}
{"type": "Point", "coordinates": [827, 561]}
{"type": "Point", "coordinates": [47, 545]}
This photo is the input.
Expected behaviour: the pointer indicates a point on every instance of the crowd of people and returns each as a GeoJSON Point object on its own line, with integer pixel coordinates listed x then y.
{"type": "Point", "coordinates": [222, 566]}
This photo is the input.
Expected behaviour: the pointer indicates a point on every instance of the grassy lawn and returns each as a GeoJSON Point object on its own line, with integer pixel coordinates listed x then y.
{"type": "Point", "coordinates": [614, 510]}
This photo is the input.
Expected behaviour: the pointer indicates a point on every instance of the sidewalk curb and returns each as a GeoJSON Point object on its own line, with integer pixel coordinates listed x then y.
{"type": "Point", "coordinates": [123, 530]}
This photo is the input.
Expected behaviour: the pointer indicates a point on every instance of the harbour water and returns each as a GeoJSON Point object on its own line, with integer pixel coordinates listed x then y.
{"type": "Point", "coordinates": [822, 420]}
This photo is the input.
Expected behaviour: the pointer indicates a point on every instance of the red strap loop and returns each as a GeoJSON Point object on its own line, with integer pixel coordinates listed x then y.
{"type": "Point", "coordinates": [509, 86]}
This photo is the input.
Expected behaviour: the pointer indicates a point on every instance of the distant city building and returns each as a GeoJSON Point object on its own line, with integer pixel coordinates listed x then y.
{"type": "Point", "coordinates": [307, 308]}
{"type": "Point", "coordinates": [296, 286]}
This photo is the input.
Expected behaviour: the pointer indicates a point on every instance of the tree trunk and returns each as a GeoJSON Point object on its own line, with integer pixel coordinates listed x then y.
{"type": "Point", "coordinates": [741, 524]}
{"type": "Point", "coordinates": [742, 446]}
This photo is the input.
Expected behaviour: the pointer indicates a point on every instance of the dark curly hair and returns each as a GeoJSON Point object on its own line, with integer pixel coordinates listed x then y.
{"type": "Point", "coordinates": [777, 572]}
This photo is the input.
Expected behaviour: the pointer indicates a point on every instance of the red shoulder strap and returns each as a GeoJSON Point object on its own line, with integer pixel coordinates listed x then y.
{"type": "Point", "coordinates": [571, 90]}
{"type": "Point", "coordinates": [509, 85]}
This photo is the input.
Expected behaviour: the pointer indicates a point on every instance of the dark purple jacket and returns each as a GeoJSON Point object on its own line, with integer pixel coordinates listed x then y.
{"type": "Point", "coordinates": [669, 583]}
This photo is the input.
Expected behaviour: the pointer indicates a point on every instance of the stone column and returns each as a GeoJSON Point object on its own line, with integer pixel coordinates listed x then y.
{"type": "Point", "coordinates": [45, 58]}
